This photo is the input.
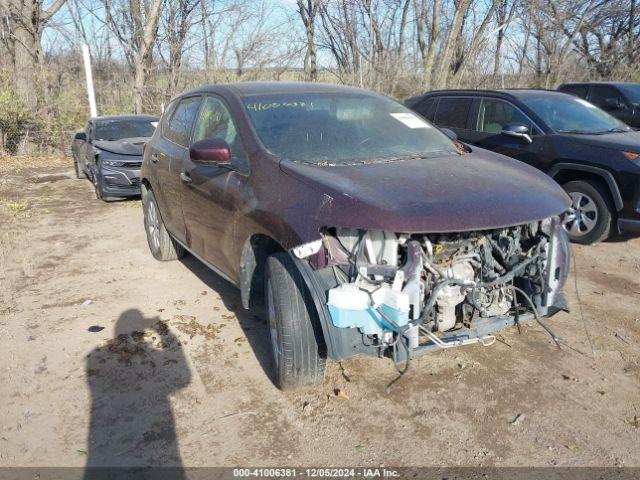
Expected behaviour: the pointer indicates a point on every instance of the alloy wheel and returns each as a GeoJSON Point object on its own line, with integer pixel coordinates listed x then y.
{"type": "Point", "coordinates": [153, 225]}
{"type": "Point", "coordinates": [585, 217]}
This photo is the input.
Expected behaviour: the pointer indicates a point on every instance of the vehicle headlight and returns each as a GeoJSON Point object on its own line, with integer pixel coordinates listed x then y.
{"type": "Point", "coordinates": [112, 163]}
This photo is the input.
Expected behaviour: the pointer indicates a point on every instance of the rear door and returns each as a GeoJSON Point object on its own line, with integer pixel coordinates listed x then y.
{"type": "Point", "coordinates": [167, 155]}
{"type": "Point", "coordinates": [610, 100]}
{"type": "Point", "coordinates": [492, 116]}
{"type": "Point", "coordinates": [213, 195]}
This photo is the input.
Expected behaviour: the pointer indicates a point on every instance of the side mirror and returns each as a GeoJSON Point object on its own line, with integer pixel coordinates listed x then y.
{"type": "Point", "coordinates": [80, 136]}
{"type": "Point", "coordinates": [213, 152]}
{"type": "Point", "coordinates": [520, 132]}
{"type": "Point", "coordinates": [449, 133]}
{"type": "Point", "coordinates": [612, 104]}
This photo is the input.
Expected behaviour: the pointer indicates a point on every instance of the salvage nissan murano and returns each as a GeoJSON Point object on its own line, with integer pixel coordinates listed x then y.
{"type": "Point", "coordinates": [359, 227]}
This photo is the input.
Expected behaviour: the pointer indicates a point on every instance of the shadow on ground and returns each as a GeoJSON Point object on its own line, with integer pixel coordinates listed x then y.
{"type": "Point", "coordinates": [131, 378]}
{"type": "Point", "coordinates": [252, 321]}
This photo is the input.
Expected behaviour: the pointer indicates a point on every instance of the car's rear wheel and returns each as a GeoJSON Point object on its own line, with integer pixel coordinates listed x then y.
{"type": "Point", "coordinates": [298, 355]}
{"type": "Point", "coordinates": [163, 247]}
{"type": "Point", "coordinates": [593, 217]}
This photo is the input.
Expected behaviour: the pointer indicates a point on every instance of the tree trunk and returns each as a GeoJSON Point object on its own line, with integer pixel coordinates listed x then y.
{"type": "Point", "coordinates": [444, 67]}
{"type": "Point", "coordinates": [27, 20]}
{"type": "Point", "coordinates": [144, 55]}
{"type": "Point", "coordinates": [310, 59]}
{"type": "Point", "coordinates": [26, 67]}
{"type": "Point", "coordinates": [632, 28]}
{"type": "Point", "coordinates": [433, 39]}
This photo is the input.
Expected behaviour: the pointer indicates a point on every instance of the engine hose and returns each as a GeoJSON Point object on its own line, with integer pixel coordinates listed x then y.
{"type": "Point", "coordinates": [535, 314]}
{"type": "Point", "coordinates": [401, 372]}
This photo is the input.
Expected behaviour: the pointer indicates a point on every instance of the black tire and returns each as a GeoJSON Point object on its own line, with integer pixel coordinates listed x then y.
{"type": "Point", "coordinates": [162, 246]}
{"type": "Point", "coordinates": [79, 172]}
{"type": "Point", "coordinates": [594, 212]}
{"type": "Point", "coordinates": [297, 347]}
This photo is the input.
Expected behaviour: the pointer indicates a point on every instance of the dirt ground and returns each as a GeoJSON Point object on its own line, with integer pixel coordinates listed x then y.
{"type": "Point", "coordinates": [109, 357]}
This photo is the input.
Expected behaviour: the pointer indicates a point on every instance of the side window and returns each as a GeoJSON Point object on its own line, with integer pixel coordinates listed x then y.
{"type": "Point", "coordinates": [166, 116]}
{"type": "Point", "coordinates": [89, 131]}
{"type": "Point", "coordinates": [427, 108]}
{"type": "Point", "coordinates": [604, 96]}
{"type": "Point", "coordinates": [215, 121]}
{"type": "Point", "coordinates": [494, 115]}
{"type": "Point", "coordinates": [453, 112]}
{"type": "Point", "coordinates": [179, 127]}
{"type": "Point", "coordinates": [577, 90]}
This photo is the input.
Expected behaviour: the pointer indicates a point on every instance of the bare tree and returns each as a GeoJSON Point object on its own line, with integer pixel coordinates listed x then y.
{"type": "Point", "coordinates": [308, 10]}
{"type": "Point", "coordinates": [135, 25]}
{"type": "Point", "coordinates": [177, 20]}
{"type": "Point", "coordinates": [23, 22]}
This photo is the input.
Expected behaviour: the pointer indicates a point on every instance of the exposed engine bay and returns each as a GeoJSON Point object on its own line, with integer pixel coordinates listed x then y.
{"type": "Point", "coordinates": [399, 288]}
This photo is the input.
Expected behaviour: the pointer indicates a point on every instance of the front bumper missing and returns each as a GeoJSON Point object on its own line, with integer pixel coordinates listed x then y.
{"type": "Point", "coordinates": [480, 333]}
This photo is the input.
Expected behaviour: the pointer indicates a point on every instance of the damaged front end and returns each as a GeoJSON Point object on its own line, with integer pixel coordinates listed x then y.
{"type": "Point", "coordinates": [400, 294]}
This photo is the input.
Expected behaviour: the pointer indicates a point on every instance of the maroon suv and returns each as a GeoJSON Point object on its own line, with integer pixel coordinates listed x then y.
{"type": "Point", "coordinates": [360, 227]}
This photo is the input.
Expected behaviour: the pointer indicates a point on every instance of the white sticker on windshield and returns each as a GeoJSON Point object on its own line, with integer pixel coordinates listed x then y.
{"type": "Point", "coordinates": [410, 120]}
{"type": "Point", "coordinates": [155, 124]}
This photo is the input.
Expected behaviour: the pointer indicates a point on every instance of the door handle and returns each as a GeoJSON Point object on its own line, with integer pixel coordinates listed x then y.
{"type": "Point", "coordinates": [154, 158]}
{"type": "Point", "coordinates": [185, 177]}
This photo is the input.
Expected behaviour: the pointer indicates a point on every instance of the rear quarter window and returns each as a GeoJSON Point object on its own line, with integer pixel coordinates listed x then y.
{"type": "Point", "coordinates": [427, 108]}
{"type": "Point", "coordinates": [178, 129]}
{"type": "Point", "coordinates": [577, 90]}
{"type": "Point", "coordinates": [453, 112]}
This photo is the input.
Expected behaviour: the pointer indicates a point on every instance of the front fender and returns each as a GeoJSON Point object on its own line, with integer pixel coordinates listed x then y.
{"type": "Point", "coordinates": [601, 172]}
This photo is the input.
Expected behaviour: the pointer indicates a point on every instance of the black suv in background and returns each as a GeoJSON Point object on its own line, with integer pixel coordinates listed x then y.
{"type": "Point", "coordinates": [594, 156]}
{"type": "Point", "coordinates": [622, 100]}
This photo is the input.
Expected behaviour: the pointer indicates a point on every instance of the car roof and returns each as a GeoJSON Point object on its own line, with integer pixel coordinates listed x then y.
{"type": "Point", "coordinates": [511, 93]}
{"type": "Point", "coordinates": [263, 88]}
{"type": "Point", "coordinates": [124, 117]}
{"type": "Point", "coordinates": [615, 84]}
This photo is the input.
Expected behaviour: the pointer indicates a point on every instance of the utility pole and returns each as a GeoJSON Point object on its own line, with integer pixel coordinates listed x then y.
{"type": "Point", "coordinates": [89, 77]}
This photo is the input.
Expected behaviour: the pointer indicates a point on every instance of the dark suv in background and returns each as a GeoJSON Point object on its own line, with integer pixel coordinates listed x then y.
{"type": "Point", "coordinates": [622, 100]}
{"type": "Point", "coordinates": [594, 156]}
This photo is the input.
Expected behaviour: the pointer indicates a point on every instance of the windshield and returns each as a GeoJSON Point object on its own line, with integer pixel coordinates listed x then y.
{"type": "Point", "coordinates": [568, 114]}
{"type": "Point", "coordinates": [343, 128]}
{"type": "Point", "coordinates": [111, 130]}
{"type": "Point", "coordinates": [631, 91]}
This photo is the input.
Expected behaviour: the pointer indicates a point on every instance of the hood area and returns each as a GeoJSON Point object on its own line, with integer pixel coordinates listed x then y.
{"type": "Point", "coordinates": [627, 141]}
{"type": "Point", "coordinates": [477, 191]}
{"type": "Point", "coordinates": [125, 146]}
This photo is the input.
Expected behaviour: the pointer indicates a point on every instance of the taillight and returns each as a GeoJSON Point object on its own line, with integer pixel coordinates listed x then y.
{"type": "Point", "coordinates": [144, 148]}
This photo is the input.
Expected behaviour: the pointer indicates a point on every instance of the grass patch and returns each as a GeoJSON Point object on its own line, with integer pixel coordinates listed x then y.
{"type": "Point", "coordinates": [17, 206]}
{"type": "Point", "coordinates": [14, 164]}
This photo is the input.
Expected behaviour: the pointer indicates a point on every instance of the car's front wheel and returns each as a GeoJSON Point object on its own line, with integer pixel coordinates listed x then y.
{"type": "Point", "coordinates": [593, 214]}
{"type": "Point", "coordinates": [298, 355]}
{"type": "Point", "coordinates": [163, 247]}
